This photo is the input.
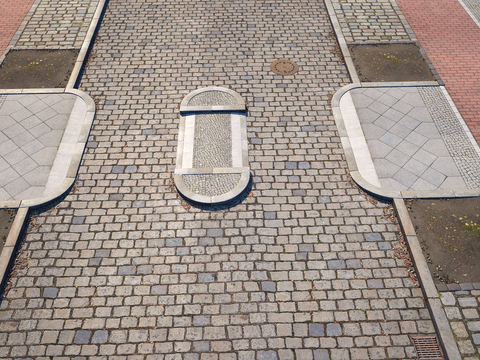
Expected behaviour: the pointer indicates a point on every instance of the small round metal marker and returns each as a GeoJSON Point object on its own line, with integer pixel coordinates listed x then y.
{"type": "Point", "coordinates": [284, 67]}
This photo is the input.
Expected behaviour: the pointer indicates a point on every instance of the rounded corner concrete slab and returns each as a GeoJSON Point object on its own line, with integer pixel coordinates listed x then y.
{"type": "Point", "coordinates": [397, 140]}
{"type": "Point", "coordinates": [212, 152]}
{"type": "Point", "coordinates": [44, 133]}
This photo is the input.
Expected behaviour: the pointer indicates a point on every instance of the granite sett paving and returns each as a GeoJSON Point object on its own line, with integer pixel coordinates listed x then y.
{"type": "Point", "coordinates": [302, 268]}
{"type": "Point", "coordinates": [56, 24]}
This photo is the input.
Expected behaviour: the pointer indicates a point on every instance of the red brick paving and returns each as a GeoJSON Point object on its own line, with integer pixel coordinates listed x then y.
{"type": "Point", "coordinates": [12, 13]}
{"type": "Point", "coordinates": [451, 40]}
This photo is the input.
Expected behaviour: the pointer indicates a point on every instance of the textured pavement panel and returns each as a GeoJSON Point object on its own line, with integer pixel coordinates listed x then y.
{"type": "Point", "coordinates": [451, 40]}
{"type": "Point", "coordinates": [416, 141]}
{"type": "Point", "coordinates": [303, 268]}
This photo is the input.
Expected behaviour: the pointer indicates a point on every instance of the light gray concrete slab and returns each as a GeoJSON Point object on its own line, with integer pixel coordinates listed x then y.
{"type": "Point", "coordinates": [405, 143]}
{"type": "Point", "coordinates": [39, 147]}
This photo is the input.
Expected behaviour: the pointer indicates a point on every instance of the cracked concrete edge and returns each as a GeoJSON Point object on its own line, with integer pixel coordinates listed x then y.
{"type": "Point", "coordinates": [341, 42]}
{"type": "Point", "coordinates": [350, 154]}
{"type": "Point", "coordinates": [8, 252]}
{"type": "Point", "coordinates": [76, 156]}
{"type": "Point", "coordinates": [86, 45]}
{"type": "Point", "coordinates": [439, 319]}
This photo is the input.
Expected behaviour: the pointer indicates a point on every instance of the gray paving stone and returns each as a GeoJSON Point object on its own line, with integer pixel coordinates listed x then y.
{"type": "Point", "coordinates": [50, 293]}
{"type": "Point", "coordinates": [316, 330]}
{"type": "Point", "coordinates": [82, 337]}
{"type": "Point", "coordinates": [467, 302]}
{"type": "Point", "coordinates": [267, 355]}
{"type": "Point", "coordinates": [448, 298]}
{"type": "Point", "coordinates": [334, 329]}
{"type": "Point", "coordinates": [269, 286]}
{"type": "Point", "coordinates": [100, 337]}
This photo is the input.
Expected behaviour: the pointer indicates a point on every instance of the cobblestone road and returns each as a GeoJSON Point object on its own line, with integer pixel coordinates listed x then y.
{"type": "Point", "coordinates": [301, 269]}
{"type": "Point", "coordinates": [59, 24]}
{"type": "Point", "coordinates": [368, 21]}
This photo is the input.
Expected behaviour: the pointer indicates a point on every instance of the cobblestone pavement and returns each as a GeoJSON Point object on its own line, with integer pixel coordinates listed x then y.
{"type": "Point", "coordinates": [302, 269]}
{"type": "Point", "coordinates": [13, 13]}
{"type": "Point", "coordinates": [371, 21]}
{"type": "Point", "coordinates": [461, 308]}
{"type": "Point", "coordinates": [59, 24]}
{"type": "Point", "coordinates": [451, 39]}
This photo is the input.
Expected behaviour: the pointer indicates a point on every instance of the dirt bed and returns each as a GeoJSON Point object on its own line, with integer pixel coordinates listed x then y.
{"type": "Point", "coordinates": [6, 220]}
{"type": "Point", "coordinates": [449, 233]}
{"type": "Point", "coordinates": [27, 69]}
{"type": "Point", "coordinates": [390, 62]}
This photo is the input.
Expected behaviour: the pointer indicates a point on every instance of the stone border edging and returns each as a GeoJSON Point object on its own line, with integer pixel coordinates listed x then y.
{"type": "Point", "coordinates": [76, 156]}
{"type": "Point", "coordinates": [8, 253]}
{"type": "Point", "coordinates": [350, 156]}
{"type": "Point", "coordinates": [186, 110]}
{"type": "Point", "coordinates": [341, 42]}
{"type": "Point", "coordinates": [74, 76]}
{"type": "Point", "coordinates": [442, 326]}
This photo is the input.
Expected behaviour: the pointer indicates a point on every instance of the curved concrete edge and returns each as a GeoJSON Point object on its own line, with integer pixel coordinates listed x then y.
{"type": "Point", "coordinates": [350, 152]}
{"type": "Point", "coordinates": [429, 289]}
{"type": "Point", "coordinates": [8, 252]}
{"type": "Point", "coordinates": [341, 41]}
{"type": "Point", "coordinates": [240, 106]}
{"type": "Point", "coordinates": [75, 158]}
{"type": "Point", "coordinates": [86, 45]}
{"type": "Point", "coordinates": [202, 199]}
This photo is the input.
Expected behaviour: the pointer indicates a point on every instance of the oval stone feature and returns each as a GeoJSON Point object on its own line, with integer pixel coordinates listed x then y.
{"type": "Point", "coordinates": [212, 153]}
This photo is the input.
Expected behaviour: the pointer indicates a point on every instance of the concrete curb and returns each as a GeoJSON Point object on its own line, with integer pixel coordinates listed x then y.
{"type": "Point", "coordinates": [86, 45]}
{"type": "Point", "coordinates": [8, 253]}
{"type": "Point", "coordinates": [341, 42]}
{"type": "Point", "coordinates": [350, 154]}
{"type": "Point", "coordinates": [429, 289]}
{"type": "Point", "coordinates": [75, 158]}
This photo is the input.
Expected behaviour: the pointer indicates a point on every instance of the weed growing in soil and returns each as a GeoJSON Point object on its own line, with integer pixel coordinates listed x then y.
{"type": "Point", "coordinates": [393, 58]}
{"type": "Point", "coordinates": [472, 227]}
{"type": "Point", "coordinates": [32, 65]}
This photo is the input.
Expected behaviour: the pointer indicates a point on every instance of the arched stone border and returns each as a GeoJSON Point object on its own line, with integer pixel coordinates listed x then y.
{"type": "Point", "coordinates": [185, 164]}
